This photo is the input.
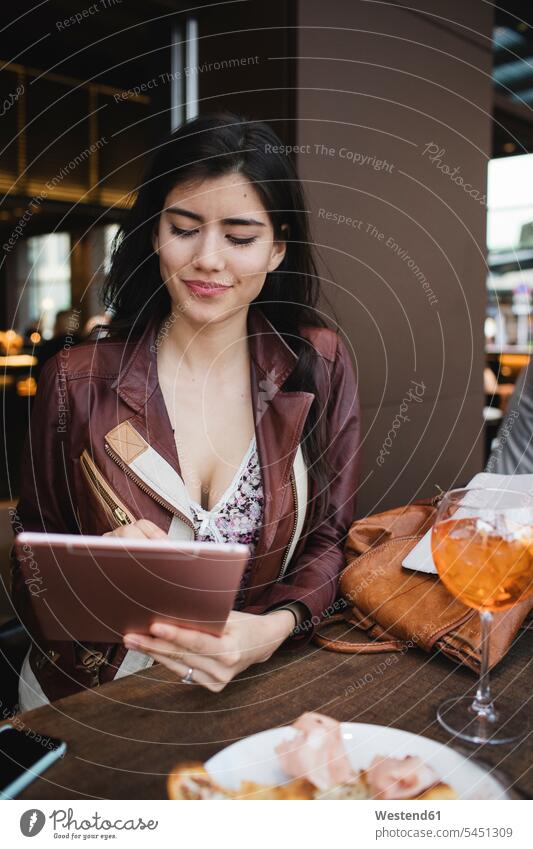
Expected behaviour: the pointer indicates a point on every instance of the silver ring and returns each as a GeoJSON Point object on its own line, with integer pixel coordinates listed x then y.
{"type": "Point", "coordinates": [188, 678]}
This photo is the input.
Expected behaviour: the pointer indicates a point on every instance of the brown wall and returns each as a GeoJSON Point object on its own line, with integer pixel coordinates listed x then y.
{"type": "Point", "coordinates": [385, 82]}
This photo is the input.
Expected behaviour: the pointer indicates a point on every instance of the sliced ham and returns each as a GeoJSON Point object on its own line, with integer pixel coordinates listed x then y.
{"type": "Point", "coordinates": [316, 752]}
{"type": "Point", "coordinates": [399, 778]}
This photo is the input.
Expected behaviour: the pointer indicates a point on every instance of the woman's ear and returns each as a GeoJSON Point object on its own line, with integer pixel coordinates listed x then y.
{"type": "Point", "coordinates": [279, 249]}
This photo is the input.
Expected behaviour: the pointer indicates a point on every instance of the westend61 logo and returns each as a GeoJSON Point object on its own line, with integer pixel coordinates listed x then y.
{"type": "Point", "coordinates": [65, 825]}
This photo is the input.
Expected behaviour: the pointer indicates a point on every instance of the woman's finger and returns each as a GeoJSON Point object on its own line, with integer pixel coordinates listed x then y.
{"type": "Point", "coordinates": [150, 529]}
{"type": "Point", "coordinates": [128, 531]}
{"type": "Point", "coordinates": [193, 641]}
{"type": "Point", "coordinates": [207, 664]}
{"type": "Point", "coordinates": [181, 670]}
{"type": "Point", "coordinates": [140, 529]}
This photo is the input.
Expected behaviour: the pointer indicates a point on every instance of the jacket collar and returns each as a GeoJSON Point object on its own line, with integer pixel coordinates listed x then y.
{"type": "Point", "coordinates": [275, 360]}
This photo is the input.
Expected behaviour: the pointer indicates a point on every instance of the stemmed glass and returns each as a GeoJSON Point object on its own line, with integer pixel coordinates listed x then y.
{"type": "Point", "coordinates": [482, 545]}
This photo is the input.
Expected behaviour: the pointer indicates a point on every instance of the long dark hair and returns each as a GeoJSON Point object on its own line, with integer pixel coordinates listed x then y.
{"type": "Point", "coordinates": [134, 292]}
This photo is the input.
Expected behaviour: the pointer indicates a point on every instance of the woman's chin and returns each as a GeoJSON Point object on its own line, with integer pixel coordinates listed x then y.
{"type": "Point", "coordinates": [198, 309]}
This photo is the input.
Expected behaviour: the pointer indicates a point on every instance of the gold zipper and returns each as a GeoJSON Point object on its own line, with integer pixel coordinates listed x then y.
{"type": "Point", "coordinates": [103, 491]}
{"type": "Point", "coordinates": [161, 501]}
{"type": "Point", "coordinates": [295, 493]}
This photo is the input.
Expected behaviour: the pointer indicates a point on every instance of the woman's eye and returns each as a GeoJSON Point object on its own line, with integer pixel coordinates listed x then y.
{"type": "Point", "coordinates": [179, 232]}
{"type": "Point", "coordinates": [235, 241]}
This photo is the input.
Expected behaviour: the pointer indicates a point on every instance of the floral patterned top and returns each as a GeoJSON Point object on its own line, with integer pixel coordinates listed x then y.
{"type": "Point", "coordinates": [238, 514]}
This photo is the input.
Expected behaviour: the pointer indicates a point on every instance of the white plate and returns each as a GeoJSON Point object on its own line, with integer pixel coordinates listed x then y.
{"type": "Point", "coordinates": [254, 758]}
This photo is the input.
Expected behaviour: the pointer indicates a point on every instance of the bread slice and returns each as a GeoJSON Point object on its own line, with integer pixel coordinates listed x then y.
{"type": "Point", "coordinates": [356, 790]}
{"type": "Point", "coordinates": [191, 781]}
{"type": "Point", "coordinates": [439, 792]}
{"type": "Point", "coordinates": [299, 789]}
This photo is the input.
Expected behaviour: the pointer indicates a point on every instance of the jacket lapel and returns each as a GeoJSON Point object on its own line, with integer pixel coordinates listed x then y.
{"type": "Point", "coordinates": [279, 420]}
{"type": "Point", "coordinates": [278, 433]}
{"type": "Point", "coordinates": [146, 464]}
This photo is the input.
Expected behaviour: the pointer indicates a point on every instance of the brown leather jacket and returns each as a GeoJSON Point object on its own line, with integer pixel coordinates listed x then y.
{"type": "Point", "coordinates": [101, 452]}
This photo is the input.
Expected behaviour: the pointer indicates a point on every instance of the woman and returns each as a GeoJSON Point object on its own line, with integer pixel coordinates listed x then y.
{"type": "Point", "coordinates": [219, 406]}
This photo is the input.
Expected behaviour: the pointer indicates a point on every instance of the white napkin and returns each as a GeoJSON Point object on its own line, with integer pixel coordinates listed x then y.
{"type": "Point", "coordinates": [420, 558]}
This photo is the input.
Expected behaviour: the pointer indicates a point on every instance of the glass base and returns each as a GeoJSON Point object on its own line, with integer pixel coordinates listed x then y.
{"type": "Point", "coordinates": [504, 723]}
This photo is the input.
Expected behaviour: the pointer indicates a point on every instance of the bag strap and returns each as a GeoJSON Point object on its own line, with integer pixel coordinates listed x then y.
{"type": "Point", "coordinates": [348, 647]}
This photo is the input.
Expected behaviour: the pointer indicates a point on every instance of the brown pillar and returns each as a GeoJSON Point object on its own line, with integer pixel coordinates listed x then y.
{"type": "Point", "coordinates": [394, 108]}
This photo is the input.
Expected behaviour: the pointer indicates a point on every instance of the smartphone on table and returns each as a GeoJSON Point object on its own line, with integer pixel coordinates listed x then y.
{"type": "Point", "coordinates": [23, 759]}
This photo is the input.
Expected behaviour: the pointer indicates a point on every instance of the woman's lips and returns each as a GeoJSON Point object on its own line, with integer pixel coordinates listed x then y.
{"type": "Point", "coordinates": [205, 288]}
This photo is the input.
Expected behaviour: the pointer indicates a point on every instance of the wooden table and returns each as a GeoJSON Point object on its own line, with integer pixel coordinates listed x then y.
{"type": "Point", "coordinates": [124, 737]}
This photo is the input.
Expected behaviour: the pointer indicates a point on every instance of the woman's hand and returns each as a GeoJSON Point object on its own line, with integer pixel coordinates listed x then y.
{"type": "Point", "coordinates": [246, 639]}
{"type": "Point", "coordinates": [141, 529]}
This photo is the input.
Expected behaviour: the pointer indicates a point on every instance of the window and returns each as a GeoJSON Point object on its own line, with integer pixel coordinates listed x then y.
{"type": "Point", "coordinates": [47, 288]}
{"type": "Point", "coordinates": [510, 203]}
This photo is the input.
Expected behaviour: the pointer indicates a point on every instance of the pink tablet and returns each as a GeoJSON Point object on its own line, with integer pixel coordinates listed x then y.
{"type": "Point", "coordinates": [92, 588]}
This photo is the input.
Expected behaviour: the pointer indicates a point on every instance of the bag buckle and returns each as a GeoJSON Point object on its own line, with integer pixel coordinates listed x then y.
{"type": "Point", "coordinates": [92, 660]}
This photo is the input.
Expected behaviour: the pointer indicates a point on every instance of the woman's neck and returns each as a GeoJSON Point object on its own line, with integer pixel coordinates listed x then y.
{"type": "Point", "coordinates": [217, 347]}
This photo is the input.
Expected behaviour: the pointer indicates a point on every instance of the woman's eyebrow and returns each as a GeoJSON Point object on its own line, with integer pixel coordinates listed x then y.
{"type": "Point", "coordinates": [178, 210]}
{"type": "Point", "coordinates": [243, 221]}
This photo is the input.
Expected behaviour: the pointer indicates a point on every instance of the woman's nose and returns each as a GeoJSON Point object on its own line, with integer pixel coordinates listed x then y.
{"type": "Point", "coordinates": [210, 253]}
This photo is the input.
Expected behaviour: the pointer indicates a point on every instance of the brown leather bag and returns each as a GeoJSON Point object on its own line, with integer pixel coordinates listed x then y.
{"type": "Point", "coordinates": [399, 608]}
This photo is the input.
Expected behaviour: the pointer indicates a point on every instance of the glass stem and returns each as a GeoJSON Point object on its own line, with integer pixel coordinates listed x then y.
{"type": "Point", "coordinates": [482, 703]}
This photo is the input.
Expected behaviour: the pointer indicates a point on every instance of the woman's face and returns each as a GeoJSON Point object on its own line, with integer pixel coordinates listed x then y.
{"type": "Point", "coordinates": [216, 245]}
